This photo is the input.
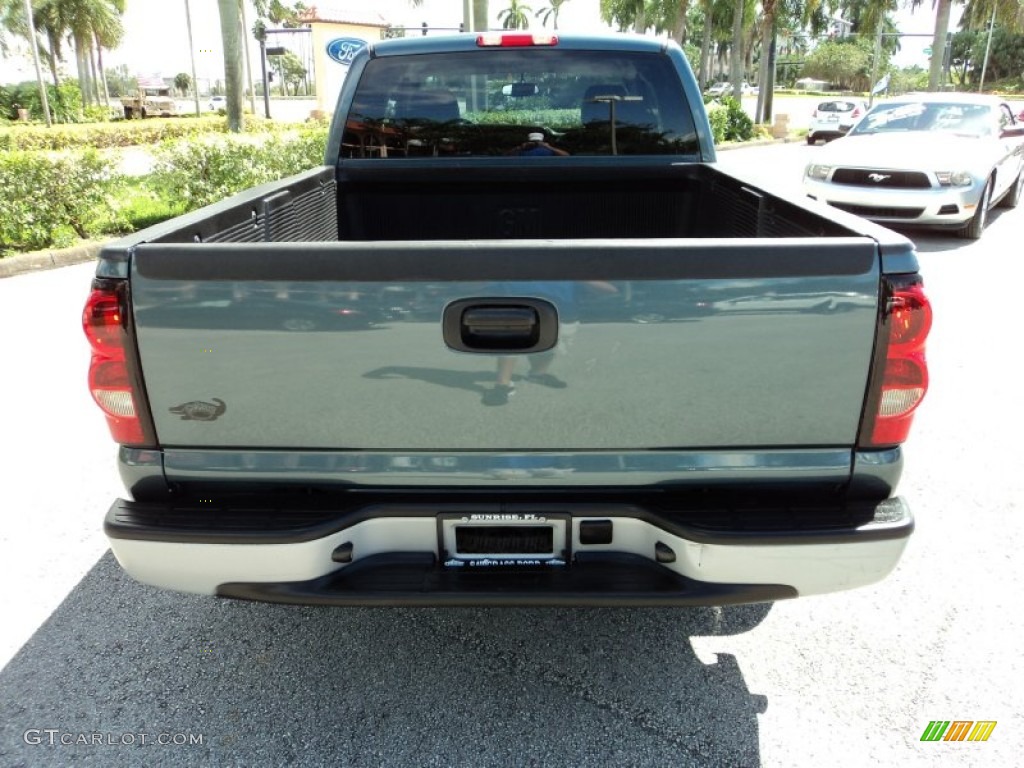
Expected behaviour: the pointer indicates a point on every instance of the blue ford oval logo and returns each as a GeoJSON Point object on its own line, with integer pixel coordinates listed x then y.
{"type": "Point", "coordinates": [344, 49]}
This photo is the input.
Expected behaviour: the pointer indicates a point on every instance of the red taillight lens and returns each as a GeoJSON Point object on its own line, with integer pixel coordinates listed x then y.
{"type": "Point", "coordinates": [901, 384]}
{"type": "Point", "coordinates": [514, 39]}
{"type": "Point", "coordinates": [110, 381]}
{"type": "Point", "coordinates": [910, 318]}
{"type": "Point", "coordinates": [856, 112]}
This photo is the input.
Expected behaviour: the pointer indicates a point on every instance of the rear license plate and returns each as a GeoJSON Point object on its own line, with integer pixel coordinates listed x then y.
{"type": "Point", "coordinates": [504, 539]}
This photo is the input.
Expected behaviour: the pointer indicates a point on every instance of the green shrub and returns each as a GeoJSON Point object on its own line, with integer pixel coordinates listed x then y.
{"type": "Point", "coordinates": [137, 206]}
{"type": "Point", "coordinates": [197, 173]}
{"type": "Point", "coordinates": [50, 200]}
{"type": "Point", "coordinates": [729, 122]}
{"type": "Point", "coordinates": [718, 116]}
{"type": "Point", "coordinates": [65, 102]}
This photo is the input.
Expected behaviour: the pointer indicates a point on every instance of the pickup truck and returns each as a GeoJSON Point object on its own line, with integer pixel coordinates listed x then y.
{"type": "Point", "coordinates": [151, 97]}
{"type": "Point", "coordinates": [519, 341]}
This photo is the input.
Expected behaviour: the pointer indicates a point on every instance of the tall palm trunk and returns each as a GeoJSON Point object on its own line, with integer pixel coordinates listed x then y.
{"type": "Point", "coordinates": [767, 61]}
{"type": "Point", "coordinates": [939, 44]}
{"type": "Point", "coordinates": [105, 93]}
{"type": "Point", "coordinates": [705, 49]}
{"type": "Point", "coordinates": [480, 15]}
{"type": "Point", "coordinates": [84, 76]}
{"type": "Point", "coordinates": [679, 30]}
{"type": "Point", "coordinates": [52, 58]}
{"type": "Point", "coordinates": [230, 22]}
{"type": "Point", "coordinates": [736, 55]}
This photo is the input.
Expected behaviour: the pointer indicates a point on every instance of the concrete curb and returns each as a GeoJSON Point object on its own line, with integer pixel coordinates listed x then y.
{"type": "Point", "coordinates": [758, 143]}
{"type": "Point", "coordinates": [38, 261]}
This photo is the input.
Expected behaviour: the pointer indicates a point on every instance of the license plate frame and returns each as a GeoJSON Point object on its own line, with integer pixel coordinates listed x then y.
{"type": "Point", "coordinates": [504, 538]}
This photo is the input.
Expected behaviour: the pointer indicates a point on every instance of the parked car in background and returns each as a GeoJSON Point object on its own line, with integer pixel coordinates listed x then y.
{"type": "Point", "coordinates": [927, 160]}
{"type": "Point", "coordinates": [833, 118]}
{"type": "Point", "coordinates": [724, 88]}
{"type": "Point", "coordinates": [218, 102]}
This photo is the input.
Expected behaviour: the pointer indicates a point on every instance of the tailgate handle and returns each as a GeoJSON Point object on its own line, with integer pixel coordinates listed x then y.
{"type": "Point", "coordinates": [500, 325]}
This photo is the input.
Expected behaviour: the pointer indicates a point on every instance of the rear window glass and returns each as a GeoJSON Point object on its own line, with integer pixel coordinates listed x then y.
{"type": "Point", "coordinates": [836, 106]}
{"type": "Point", "coordinates": [519, 101]}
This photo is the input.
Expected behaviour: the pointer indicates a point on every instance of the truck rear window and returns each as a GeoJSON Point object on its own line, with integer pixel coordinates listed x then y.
{"type": "Point", "coordinates": [513, 102]}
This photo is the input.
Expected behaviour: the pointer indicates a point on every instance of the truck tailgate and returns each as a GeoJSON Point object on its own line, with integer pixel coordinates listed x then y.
{"type": "Point", "coordinates": [662, 345]}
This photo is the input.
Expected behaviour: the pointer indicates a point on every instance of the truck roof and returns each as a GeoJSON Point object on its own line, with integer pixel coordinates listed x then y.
{"type": "Point", "coordinates": [467, 41]}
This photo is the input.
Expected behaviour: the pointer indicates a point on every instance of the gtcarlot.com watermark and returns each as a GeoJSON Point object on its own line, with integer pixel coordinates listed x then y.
{"type": "Point", "coordinates": [55, 737]}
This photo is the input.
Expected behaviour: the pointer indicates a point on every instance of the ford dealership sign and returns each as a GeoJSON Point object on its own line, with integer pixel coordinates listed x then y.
{"type": "Point", "coordinates": [344, 49]}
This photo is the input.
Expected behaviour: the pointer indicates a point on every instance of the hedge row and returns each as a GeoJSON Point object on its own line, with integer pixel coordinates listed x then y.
{"type": "Point", "coordinates": [51, 199]}
{"type": "Point", "coordinates": [197, 173]}
{"type": "Point", "coordinates": [126, 133]}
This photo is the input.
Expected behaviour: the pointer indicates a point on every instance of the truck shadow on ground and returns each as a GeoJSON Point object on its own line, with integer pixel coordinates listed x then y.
{"type": "Point", "coordinates": [277, 685]}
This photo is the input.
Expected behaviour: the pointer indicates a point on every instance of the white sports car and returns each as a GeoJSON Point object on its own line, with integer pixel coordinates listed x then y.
{"type": "Point", "coordinates": [927, 160]}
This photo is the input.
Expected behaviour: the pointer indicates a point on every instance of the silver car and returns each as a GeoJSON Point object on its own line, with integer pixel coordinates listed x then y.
{"type": "Point", "coordinates": [928, 160]}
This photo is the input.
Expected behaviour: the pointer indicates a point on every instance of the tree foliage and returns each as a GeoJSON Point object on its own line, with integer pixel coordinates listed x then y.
{"type": "Point", "coordinates": [183, 82]}
{"type": "Point", "coordinates": [845, 63]}
{"type": "Point", "coordinates": [516, 16]}
{"type": "Point", "coordinates": [1005, 58]}
{"type": "Point", "coordinates": [280, 14]}
{"type": "Point", "coordinates": [550, 13]}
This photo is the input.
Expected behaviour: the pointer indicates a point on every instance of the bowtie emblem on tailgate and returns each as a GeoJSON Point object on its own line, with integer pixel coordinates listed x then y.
{"type": "Point", "coordinates": [199, 410]}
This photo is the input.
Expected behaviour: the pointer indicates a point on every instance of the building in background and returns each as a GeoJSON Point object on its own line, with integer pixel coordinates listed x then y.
{"type": "Point", "coordinates": [337, 34]}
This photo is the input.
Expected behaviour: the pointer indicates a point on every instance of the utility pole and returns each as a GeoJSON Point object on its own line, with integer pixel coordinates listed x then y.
{"type": "Point", "coordinates": [192, 56]}
{"type": "Point", "coordinates": [43, 100]}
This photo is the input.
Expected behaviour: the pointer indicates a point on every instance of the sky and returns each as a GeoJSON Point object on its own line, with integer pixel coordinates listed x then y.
{"type": "Point", "coordinates": [156, 40]}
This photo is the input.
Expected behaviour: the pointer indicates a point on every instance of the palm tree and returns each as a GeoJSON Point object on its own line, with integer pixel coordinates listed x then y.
{"type": "Point", "coordinates": [16, 17]}
{"type": "Point", "coordinates": [736, 60]}
{"type": "Point", "coordinates": [551, 12]}
{"type": "Point", "coordinates": [625, 14]}
{"type": "Point", "coordinates": [231, 38]}
{"type": "Point", "coordinates": [91, 25]}
{"type": "Point", "coordinates": [978, 13]}
{"type": "Point", "coordinates": [516, 16]}
{"type": "Point", "coordinates": [943, 8]}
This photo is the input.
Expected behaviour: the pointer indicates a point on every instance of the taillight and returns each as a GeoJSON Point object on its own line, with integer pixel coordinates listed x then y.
{"type": "Point", "coordinates": [900, 380]}
{"type": "Point", "coordinates": [856, 112]}
{"type": "Point", "coordinates": [514, 39]}
{"type": "Point", "coordinates": [110, 380]}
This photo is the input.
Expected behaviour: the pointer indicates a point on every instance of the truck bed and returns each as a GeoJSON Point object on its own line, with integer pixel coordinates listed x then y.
{"type": "Point", "coordinates": [743, 330]}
